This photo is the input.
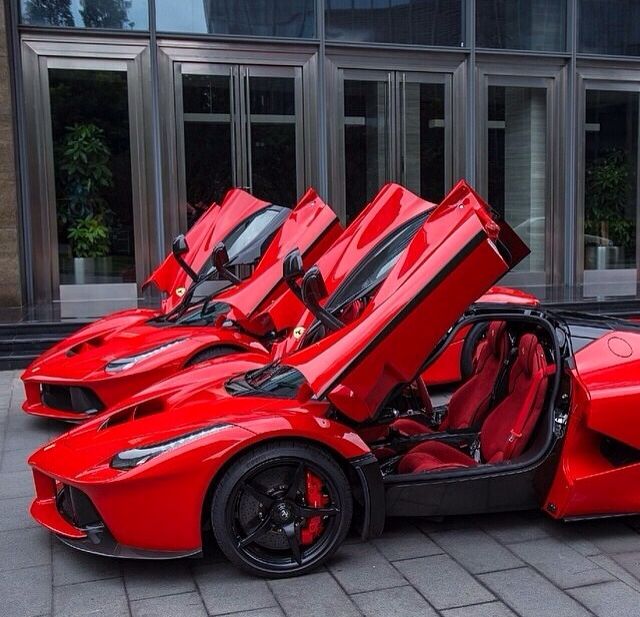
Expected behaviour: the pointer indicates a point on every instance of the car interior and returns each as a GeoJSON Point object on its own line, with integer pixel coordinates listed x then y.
{"type": "Point", "coordinates": [498, 416]}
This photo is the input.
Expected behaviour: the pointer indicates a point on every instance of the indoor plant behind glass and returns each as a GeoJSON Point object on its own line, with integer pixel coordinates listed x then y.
{"type": "Point", "coordinates": [609, 229]}
{"type": "Point", "coordinates": [83, 212]}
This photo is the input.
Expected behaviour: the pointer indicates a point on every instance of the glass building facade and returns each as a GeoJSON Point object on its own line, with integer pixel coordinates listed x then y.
{"type": "Point", "coordinates": [132, 116]}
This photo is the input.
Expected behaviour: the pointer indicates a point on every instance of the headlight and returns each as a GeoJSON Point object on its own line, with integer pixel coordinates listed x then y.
{"type": "Point", "coordinates": [123, 364]}
{"type": "Point", "coordinates": [128, 459]}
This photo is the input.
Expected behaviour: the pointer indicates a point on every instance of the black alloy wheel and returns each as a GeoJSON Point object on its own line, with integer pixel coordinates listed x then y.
{"type": "Point", "coordinates": [266, 521]}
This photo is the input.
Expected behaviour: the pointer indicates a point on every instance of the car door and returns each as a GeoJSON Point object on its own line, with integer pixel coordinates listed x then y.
{"type": "Point", "coordinates": [212, 227]}
{"type": "Point", "coordinates": [455, 257]}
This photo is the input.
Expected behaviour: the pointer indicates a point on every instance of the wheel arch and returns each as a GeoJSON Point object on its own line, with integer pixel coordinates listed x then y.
{"type": "Point", "coordinates": [363, 474]}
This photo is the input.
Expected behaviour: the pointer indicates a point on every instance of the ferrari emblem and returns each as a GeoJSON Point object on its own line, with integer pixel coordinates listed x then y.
{"type": "Point", "coordinates": [298, 332]}
{"type": "Point", "coordinates": [180, 292]}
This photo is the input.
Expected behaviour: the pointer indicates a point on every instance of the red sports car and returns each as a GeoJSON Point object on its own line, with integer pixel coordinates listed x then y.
{"type": "Point", "coordinates": [112, 359]}
{"type": "Point", "coordinates": [280, 461]}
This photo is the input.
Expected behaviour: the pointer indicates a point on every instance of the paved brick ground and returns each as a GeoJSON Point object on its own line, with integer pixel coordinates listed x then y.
{"type": "Point", "coordinates": [489, 566]}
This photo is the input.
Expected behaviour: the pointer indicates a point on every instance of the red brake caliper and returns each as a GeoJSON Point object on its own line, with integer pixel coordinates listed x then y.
{"type": "Point", "coordinates": [315, 498]}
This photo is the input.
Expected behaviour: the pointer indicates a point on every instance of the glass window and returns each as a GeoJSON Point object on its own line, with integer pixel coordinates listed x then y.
{"type": "Point", "coordinates": [517, 157]}
{"type": "Point", "coordinates": [366, 146]}
{"type": "Point", "coordinates": [280, 18]}
{"type": "Point", "coordinates": [521, 24]}
{"type": "Point", "coordinates": [207, 138]}
{"type": "Point", "coordinates": [610, 191]}
{"type": "Point", "coordinates": [92, 164]}
{"type": "Point", "coordinates": [111, 14]}
{"type": "Point", "coordinates": [607, 27]}
{"type": "Point", "coordinates": [415, 22]}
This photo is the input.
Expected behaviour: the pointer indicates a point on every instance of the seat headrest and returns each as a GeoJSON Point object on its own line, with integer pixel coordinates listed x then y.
{"type": "Point", "coordinates": [496, 336]}
{"type": "Point", "coordinates": [530, 354]}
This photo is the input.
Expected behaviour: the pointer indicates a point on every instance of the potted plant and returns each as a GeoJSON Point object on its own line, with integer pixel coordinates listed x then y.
{"type": "Point", "coordinates": [83, 211]}
{"type": "Point", "coordinates": [609, 232]}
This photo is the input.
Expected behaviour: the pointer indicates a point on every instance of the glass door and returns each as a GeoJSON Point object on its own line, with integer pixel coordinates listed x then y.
{"type": "Point", "coordinates": [608, 234]}
{"type": "Point", "coordinates": [86, 180]}
{"type": "Point", "coordinates": [396, 126]}
{"type": "Point", "coordinates": [517, 146]}
{"type": "Point", "coordinates": [241, 126]}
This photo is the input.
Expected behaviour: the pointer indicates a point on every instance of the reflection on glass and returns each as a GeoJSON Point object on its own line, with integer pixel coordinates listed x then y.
{"type": "Point", "coordinates": [366, 146]}
{"type": "Point", "coordinates": [424, 140]}
{"type": "Point", "coordinates": [522, 24]}
{"type": "Point", "coordinates": [517, 128]}
{"type": "Point", "coordinates": [606, 27]}
{"type": "Point", "coordinates": [416, 22]}
{"type": "Point", "coordinates": [92, 163]}
{"type": "Point", "coordinates": [610, 192]}
{"type": "Point", "coordinates": [207, 141]}
{"type": "Point", "coordinates": [273, 139]}
{"type": "Point", "coordinates": [110, 14]}
{"type": "Point", "coordinates": [278, 18]}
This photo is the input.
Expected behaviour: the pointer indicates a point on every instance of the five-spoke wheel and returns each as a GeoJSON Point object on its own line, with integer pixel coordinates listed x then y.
{"type": "Point", "coordinates": [282, 509]}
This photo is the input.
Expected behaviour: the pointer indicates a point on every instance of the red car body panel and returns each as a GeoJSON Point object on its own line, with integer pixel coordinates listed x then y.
{"type": "Point", "coordinates": [605, 402]}
{"type": "Point", "coordinates": [433, 282]}
{"type": "Point", "coordinates": [80, 360]}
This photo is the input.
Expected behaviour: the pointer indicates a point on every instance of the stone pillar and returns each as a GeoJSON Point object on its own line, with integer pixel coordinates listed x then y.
{"type": "Point", "coordinates": [10, 281]}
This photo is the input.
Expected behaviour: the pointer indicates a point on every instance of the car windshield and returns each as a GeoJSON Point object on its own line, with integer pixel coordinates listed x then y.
{"type": "Point", "coordinates": [275, 380]}
{"type": "Point", "coordinates": [247, 242]}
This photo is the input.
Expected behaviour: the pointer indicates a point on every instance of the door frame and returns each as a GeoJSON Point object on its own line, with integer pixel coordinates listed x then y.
{"type": "Point", "coordinates": [176, 52]}
{"type": "Point", "coordinates": [552, 77]}
{"type": "Point", "coordinates": [40, 53]}
{"type": "Point", "coordinates": [433, 67]}
{"type": "Point", "coordinates": [599, 76]}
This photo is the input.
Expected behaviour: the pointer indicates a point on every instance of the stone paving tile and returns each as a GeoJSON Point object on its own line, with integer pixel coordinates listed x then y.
{"type": "Point", "coordinates": [443, 582]}
{"type": "Point", "coordinates": [225, 590]}
{"type": "Point", "coordinates": [157, 578]}
{"type": "Point", "coordinates": [630, 562]}
{"type": "Point", "coordinates": [398, 601]}
{"type": "Point", "coordinates": [610, 536]}
{"type": "Point", "coordinates": [261, 612]}
{"type": "Point", "coordinates": [560, 563]}
{"type": "Point", "coordinates": [26, 593]}
{"type": "Point", "coordinates": [16, 484]}
{"type": "Point", "coordinates": [531, 595]}
{"type": "Point", "coordinates": [72, 566]}
{"type": "Point", "coordinates": [23, 548]}
{"type": "Point", "coordinates": [476, 551]}
{"type": "Point", "coordinates": [490, 609]}
{"type": "Point", "coordinates": [14, 460]}
{"type": "Point", "coordinates": [181, 605]}
{"type": "Point", "coordinates": [617, 571]}
{"type": "Point", "coordinates": [405, 542]}
{"type": "Point", "coordinates": [609, 599]}
{"type": "Point", "coordinates": [14, 514]}
{"type": "Point", "coordinates": [105, 598]}
{"type": "Point", "coordinates": [314, 595]}
{"type": "Point", "coordinates": [360, 567]}
{"type": "Point", "coordinates": [514, 527]}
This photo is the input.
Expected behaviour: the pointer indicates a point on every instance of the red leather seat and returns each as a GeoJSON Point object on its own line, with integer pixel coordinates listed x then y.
{"type": "Point", "coordinates": [507, 429]}
{"type": "Point", "coordinates": [471, 401]}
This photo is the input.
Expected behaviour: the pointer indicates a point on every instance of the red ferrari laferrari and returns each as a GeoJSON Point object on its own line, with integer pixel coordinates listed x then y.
{"type": "Point", "coordinates": [281, 460]}
{"type": "Point", "coordinates": [232, 257]}
{"type": "Point", "coordinates": [218, 314]}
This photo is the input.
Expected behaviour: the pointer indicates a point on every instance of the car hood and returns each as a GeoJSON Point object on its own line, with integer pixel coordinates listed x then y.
{"type": "Point", "coordinates": [455, 257]}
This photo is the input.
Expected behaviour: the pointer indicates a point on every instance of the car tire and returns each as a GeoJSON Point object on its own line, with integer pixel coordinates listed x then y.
{"type": "Point", "coordinates": [259, 494]}
{"type": "Point", "coordinates": [469, 346]}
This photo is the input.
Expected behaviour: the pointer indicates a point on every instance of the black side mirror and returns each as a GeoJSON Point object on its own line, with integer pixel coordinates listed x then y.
{"type": "Point", "coordinates": [180, 248]}
{"type": "Point", "coordinates": [292, 270]}
{"type": "Point", "coordinates": [220, 259]}
{"type": "Point", "coordinates": [314, 290]}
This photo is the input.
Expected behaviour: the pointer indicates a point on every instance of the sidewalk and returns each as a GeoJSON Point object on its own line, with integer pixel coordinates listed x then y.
{"type": "Point", "coordinates": [485, 566]}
